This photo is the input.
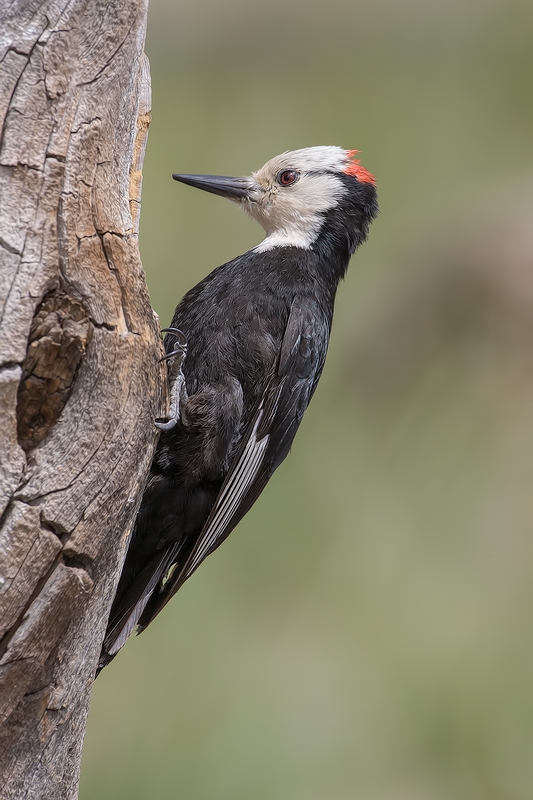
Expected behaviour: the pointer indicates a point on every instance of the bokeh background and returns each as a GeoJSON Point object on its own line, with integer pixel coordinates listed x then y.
{"type": "Point", "coordinates": [367, 631]}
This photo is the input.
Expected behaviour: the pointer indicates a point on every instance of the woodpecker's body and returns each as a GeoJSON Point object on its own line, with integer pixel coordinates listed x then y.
{"type": "Point", "coordinates": [257, 330]}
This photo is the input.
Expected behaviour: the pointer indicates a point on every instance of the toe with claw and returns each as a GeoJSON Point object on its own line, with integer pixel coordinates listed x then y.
{"type": "Point", "coordinates": [178, 390]}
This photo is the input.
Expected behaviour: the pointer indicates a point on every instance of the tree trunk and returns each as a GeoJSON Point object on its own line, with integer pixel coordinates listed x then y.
{"type": "Point", "coordinates": [80, 382]}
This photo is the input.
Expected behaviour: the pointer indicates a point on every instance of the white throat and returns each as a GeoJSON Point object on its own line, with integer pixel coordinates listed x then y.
{"type": "Point", "coordinates": [303, 239]}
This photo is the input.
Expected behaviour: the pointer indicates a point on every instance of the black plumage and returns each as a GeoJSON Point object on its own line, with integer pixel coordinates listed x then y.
{"type": "Point", "coordinates": [257, 331]}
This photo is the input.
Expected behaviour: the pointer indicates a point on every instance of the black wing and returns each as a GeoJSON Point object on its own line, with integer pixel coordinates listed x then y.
{"type": "Point", "coordinates": [265, 444]}
{"type": "Point", "coordinates": [267, 440]}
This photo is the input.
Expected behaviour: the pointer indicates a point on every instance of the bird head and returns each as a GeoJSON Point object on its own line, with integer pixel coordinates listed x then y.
{"type": "Point", "coordinates": [302, 194]}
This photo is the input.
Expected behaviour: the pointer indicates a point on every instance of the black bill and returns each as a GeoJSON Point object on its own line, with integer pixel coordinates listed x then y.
{"type": "Point", "coordinates": [234, 188]}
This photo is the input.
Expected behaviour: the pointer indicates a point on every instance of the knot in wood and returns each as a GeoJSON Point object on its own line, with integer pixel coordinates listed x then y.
{"type": "Point", "coordinates": [59, 336]}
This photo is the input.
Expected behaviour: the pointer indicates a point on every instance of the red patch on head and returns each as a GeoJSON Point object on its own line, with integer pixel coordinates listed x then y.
{"type": "Point", "coordinates": [354, 168]}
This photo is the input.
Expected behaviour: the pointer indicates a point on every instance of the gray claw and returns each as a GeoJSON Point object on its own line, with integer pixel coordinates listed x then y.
{"type": "Point", "coordinates": [166, 426]}
{"type": "Point", "coordinates": [178, 390]}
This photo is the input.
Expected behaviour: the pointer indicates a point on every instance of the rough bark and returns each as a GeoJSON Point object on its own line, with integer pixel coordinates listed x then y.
{"type": "Point", "coordinates": [80, 382]}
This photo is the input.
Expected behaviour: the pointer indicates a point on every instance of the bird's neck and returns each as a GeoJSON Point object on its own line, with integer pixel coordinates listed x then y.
{"type": "Point", "coordinates": [333, 250]}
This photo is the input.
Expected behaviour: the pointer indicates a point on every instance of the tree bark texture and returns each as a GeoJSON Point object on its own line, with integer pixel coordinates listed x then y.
{"type": "Point", "coordinates": [80, 382]}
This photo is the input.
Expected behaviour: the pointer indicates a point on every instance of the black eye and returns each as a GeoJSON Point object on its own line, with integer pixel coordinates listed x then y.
{"type": "Point", "coordinates": [287, 177]}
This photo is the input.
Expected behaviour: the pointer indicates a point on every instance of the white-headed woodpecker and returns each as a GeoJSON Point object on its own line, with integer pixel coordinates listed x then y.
{"type": "Point", "coordinates": [245, 351]}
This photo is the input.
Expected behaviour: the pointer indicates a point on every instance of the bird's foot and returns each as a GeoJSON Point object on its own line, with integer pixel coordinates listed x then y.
{"type": "Point", "coordinates": [178, 390]}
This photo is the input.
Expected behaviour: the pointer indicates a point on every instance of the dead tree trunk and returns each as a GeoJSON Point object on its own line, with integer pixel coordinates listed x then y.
{"type": "Point", "coordinates": [80, 382]}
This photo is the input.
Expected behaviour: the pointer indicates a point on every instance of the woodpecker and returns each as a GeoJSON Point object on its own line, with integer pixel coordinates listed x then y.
{"type": "Point", "coordinates": [245, 350]}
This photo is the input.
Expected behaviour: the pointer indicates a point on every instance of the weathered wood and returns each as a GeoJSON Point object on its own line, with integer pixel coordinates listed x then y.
{"type": "Point", "coordinates": [80, 382]}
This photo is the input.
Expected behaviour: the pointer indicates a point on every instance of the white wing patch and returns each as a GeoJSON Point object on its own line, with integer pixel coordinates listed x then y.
{"type": "Point", "coordinates": [232, 493]}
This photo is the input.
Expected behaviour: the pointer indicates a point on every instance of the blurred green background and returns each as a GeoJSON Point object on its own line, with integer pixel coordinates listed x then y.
{"type": "Point", "coordinates": [367, 631]}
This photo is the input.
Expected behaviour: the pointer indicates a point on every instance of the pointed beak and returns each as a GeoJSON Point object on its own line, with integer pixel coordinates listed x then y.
{"type": "Point", "coordinates": [232, 188]}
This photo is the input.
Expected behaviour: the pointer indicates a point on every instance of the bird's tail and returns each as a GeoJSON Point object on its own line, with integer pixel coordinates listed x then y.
{"type": "Point", "coordinates": [129, 606]}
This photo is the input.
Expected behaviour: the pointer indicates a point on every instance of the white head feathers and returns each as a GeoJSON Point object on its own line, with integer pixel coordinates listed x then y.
{"type": "Point", "coordinates": [291, 213]}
